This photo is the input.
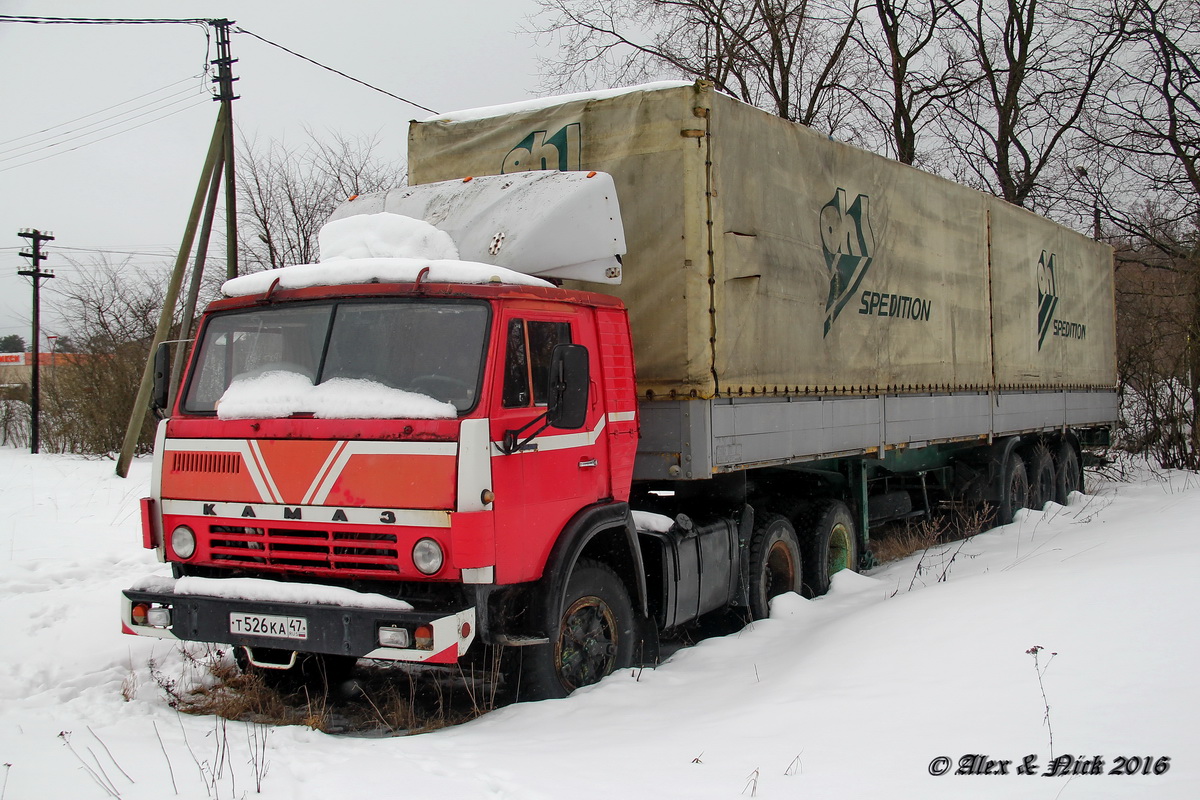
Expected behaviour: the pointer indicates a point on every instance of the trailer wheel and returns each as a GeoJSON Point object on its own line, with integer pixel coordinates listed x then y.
{"type": "Point", "coordinates": [1069, 477]}
{"type": "Point", "coordinates": [831, 545]}
{"type": "Point", "coordinates": [1041, 477]}
{"type": "Point", "coordinates": [591, 636]}
{"type": "Point", "coordinates": [775, 563]}
{"type": "Point", "coordinates": [1013, 491]}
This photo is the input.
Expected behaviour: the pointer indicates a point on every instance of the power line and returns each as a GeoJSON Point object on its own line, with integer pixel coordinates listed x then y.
{"type": "Point", "coordinates": [49, 130]}
{"type": "Point", "coordinates": [97, 20]}
{"type": "Point", "coordinates": [132, 249]}
{"type": "Point", "coordinates": [102, 110]}
{"type": "Point", "coordinates": [63, 138]}
{"type": "Point", "coordinates": [165, 252]}
{"type": "Point", "coordinates": [148, 109]}
{"type": "Point", "coordinates": [206, 23]}
{"type": "Point", "coordinates": [331, 69]}
{"type": "Point", "coordinates": [103, 138]}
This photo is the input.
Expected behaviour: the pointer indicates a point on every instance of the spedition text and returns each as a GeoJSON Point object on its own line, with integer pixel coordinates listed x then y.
{"type": "Point", "coordinates": [882, 304]}
{"type": "Point", "coordinates": [1070, 330]}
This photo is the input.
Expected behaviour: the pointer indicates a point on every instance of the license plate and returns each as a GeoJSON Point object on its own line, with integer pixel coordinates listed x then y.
{"type": "Point", "coordinates": [268, 625]}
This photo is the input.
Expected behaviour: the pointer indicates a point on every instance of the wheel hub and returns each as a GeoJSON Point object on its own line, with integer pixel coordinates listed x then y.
{"type": "Point", "coordinates": [587, 648]}
{"type": "Point", "coordinates": [781, 570]}
{"type": "Point", "coordinates": [839, 549]}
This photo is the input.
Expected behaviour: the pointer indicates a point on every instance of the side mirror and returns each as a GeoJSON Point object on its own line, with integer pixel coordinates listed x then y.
{"type": "Point", "coordinates": [569, 382]}
{"type": "Point", "coordinates": [162, 377]}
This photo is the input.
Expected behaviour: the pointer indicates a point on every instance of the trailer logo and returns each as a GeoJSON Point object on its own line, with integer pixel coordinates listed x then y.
{"type": "Point", "coordinates": [1047, 295]}
{"type": "Point", "coordinates": [1047, 284]}
{"type": "Point", "coordinates": [538, 151]}
{"type": "Point", "coordinates": [848, 243]}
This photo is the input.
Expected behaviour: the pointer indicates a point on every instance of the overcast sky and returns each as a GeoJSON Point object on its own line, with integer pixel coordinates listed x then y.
{"type": "Point", "coordinates": [130, 193]}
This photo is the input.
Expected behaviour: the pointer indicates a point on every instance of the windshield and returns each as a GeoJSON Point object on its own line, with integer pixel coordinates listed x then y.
{"type": "Point", "coordinates": [371, 348]}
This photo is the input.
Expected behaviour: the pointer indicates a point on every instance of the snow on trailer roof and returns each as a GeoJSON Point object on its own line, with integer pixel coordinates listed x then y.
{"type": "Point", "coordinates": [538, 103]}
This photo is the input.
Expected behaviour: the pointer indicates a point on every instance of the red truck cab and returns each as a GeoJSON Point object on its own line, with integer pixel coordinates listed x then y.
{"type": "Point", "coordinates": [391, 468]}
{"type": "Point", "coordinates": [425, 511]}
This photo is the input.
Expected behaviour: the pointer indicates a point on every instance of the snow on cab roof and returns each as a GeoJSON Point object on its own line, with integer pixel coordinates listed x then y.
{"type": "Point", "coordinates": [340, 272]}
{"type": "Point", "coordinates": [485, 112]}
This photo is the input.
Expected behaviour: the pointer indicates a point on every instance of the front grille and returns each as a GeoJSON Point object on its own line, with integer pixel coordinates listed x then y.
{"type": "Point", "coordinates": [213, 463]}
{"type": "Point", "coordinates": [336, 550]}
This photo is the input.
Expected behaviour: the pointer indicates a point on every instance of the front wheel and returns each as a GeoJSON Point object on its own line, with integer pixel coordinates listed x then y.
{"type": "Point", "coordinates": [591, 636]}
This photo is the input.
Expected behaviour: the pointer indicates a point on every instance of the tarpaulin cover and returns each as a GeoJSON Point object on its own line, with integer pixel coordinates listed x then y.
{"type": "Point", "coordinates": [763, 256]}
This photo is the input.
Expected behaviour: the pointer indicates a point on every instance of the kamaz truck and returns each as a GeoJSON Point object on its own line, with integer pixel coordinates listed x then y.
{"type": "Point", "coordinates": [611, 363]}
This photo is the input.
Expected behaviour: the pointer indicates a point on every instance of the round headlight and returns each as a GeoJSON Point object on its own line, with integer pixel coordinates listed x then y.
{"type": "Point", "coordinates": [183, 542]}
{"type": "Point", "coordinates": [427, 556]}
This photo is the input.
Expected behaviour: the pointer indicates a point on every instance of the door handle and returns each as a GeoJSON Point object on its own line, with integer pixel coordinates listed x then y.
{"type": "Point", "coordinates": [589, 462]}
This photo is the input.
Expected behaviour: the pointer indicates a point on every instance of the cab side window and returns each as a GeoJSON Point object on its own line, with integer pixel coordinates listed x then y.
{"type": "Point", "coordinates": [527, 363]}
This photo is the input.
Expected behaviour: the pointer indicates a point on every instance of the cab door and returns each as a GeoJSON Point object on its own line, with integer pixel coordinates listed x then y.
{"type": "Point", "coordinates": [556, 472]}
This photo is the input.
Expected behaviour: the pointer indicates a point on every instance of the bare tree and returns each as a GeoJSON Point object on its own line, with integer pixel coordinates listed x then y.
{"type": "Point", "coordinates": [286, 194]}
{"type": "Point", "coordinates": [1143, 168]}
{"type": "Point", "coordinates": [1141, 173]}
{"type": "Point", "coordinates": [790, 57]}
{"type": "Point", "coordinates": [916, 78]}
{"type": "Point", "coordinates": [1033, 67]}
{"type": "Point", "coordinates": [112, 311]}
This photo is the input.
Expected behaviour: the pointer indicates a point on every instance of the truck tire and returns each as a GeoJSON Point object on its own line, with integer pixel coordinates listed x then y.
{"type": "Point", "coordinates": [1041, 476]}
{"type": "Point", "coordinates": [1013, 488]}
{"type": "Point", "coordinates": [591, 636]}
{"type": "Point", "coordinates": [1068, 477]}
{"type": "Point", "coordinates": [831, 545]}
{"type": "Point", "coordinates": [775, 563]}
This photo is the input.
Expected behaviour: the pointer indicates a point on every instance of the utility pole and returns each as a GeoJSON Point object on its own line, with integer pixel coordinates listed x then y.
{"type": "Point", "coordinates": [224, 81]}
{"type": "Point", "coordinates": [218, 160]}
{"type": "Point", "coordinates": [35, 256]}
{"type": "Point", "coordinates": [211, 172]}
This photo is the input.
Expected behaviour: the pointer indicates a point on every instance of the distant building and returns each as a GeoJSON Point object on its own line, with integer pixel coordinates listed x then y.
{"type": "Point", "coordinates": [16, 368]}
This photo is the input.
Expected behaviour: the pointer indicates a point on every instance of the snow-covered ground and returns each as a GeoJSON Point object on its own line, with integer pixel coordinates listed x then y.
{"type": "Point", "coordinates": [858, 694]}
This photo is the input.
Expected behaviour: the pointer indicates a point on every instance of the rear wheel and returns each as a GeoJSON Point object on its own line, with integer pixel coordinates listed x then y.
{"type": "Point", "coordinates": [775, 565]}
{"type": "Point", "coordinates": [1013, 489]}
{"type": "Point", "coordinates": [1041, 477]}
{"type": "Point", "coordinates": [591, 636]}
{"type": "Point", "coordinates": [1069, 477]}
{"type": "Point", "coordinates": [831, 546]}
